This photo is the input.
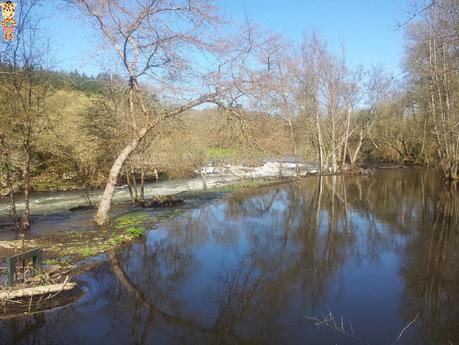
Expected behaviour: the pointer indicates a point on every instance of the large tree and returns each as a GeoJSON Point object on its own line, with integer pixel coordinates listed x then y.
{"type": "Point", "coordinates": [433, 64]}
{"type": "Point", "coordinates": [171, 46]}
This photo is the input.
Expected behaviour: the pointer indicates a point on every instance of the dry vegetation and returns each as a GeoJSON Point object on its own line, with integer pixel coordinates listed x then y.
{"type": "Point", "coordinates": [166, 113]}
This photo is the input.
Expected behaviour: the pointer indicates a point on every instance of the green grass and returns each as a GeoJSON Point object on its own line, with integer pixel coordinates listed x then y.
{"type": "Point", "coordinates": [133, 219]}
{"type": "Point", "coordinates": [217, 152]}
{"type": "Point", "coordinates": [118, 239]}
{"type": "Point", "coordinates": [87, 251]}
{"type": "Point", "coordinates": [51, 262]}
{"type": "Point", "coordinates": [136, 231]}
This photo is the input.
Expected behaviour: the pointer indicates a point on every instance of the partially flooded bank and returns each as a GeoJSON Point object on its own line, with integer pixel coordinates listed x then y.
{"type": "Point", "coordinates": [255, 267]}
{"type": "Point", "coordinates": [72, 236]}
{"type": "Point", "coordinates": [69, 252]}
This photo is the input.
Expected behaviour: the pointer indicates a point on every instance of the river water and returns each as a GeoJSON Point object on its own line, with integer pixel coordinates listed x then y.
{"type": "Point", "coordinates": [50, 210]}
{"type": "Point", "coordinates": [364, 257]}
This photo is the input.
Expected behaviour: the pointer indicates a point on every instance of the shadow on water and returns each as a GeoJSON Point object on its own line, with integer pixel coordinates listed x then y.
{"type": "Point", "coordinates": [250, 269]}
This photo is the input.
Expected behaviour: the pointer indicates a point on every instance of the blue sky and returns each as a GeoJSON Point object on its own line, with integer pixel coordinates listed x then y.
{"type": "Point", "coordinates": [366, 27]}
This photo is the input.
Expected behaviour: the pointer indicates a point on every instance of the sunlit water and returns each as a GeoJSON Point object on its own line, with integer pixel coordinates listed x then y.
{"type": "Point", "coordinates": [377, 253]}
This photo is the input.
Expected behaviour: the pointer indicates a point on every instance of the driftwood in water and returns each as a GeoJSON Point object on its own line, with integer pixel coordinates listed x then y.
{"type": "Point", "coordinates": [35, 290]}
{"type": "Point", "coordinates": [82, 208]}
{"type": "Point", "coordinates": [162, 201]}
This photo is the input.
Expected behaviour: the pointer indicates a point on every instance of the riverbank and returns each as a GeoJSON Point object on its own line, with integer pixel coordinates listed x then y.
{"type": "Point", "coordinates": [129, 222]}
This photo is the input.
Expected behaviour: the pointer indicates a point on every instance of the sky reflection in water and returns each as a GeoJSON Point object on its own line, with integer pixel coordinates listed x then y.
{"type": "Point", "coordinates": [249, 269]}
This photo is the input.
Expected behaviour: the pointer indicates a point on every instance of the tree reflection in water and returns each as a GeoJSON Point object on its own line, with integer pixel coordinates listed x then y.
{"type": "Point", "coordinates": [432, 270]}
{"type": "Point", "coordinates": [248, 269]}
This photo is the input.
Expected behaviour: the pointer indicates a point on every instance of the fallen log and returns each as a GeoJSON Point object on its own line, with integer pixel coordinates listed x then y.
{"type": "Point", "coordinates": [35, 290]}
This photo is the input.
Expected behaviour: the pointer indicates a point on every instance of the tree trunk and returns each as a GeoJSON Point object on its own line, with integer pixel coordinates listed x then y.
{"type": "Point", "coordinates": [204, 179]}
{"type": "Point", "coordinates": [101, 217]}
{"type": "Point", "coordinates": [348, 121]}
{"type": "Point", "coordinates": [13, 213]}
{"type": "Point", "coordinates": [142, 181]}
{"type": "Point", "coordinates": [351, 159]}
{"type": "Point", "coordinates": [333, 147]}
{"type": "Point", "coordinates": [87, 193]}
{"type": "Point", "coordinates": [25, 222]}
{"type": "Point", "coordinates": [134, 185]}
{"type": "Point", "coordinates": [129, 184]}
{"type": "Point", "coordinates": [292, 136]}
{"type": "Point", "coordinates": [9, 181]}
{"type": "Point", "coordinates": [319, 140]}
{"type": "Point", "coordinates": [357, 149]}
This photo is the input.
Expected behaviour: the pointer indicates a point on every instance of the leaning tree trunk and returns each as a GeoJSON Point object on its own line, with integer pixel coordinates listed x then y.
{"type": "Point", "coordinates": [357, 149]}
{"type": "Point", "coordinates": [346, 138]}
{"type": "Point", "coordinates": [101, 217]}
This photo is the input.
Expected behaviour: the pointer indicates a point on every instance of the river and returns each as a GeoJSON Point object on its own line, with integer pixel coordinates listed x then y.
{"type": "Point", "coordinates": [333, 260]}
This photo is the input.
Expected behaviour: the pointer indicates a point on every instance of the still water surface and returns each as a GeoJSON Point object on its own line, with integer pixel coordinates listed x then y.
{"type": "Point", "coordinates": [377, 253]}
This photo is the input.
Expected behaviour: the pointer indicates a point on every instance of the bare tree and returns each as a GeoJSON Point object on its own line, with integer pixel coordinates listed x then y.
{"type": "Point", "coordinates": [156, 41]}
{"type": "Point", "coordinates": [328, 89]}
{"type": "Point", "coordinates": [433, 64]}
{"type": "Point", "coordinates": [25, 90]}
{"type": "Point", "coordinates": [278, 86]}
